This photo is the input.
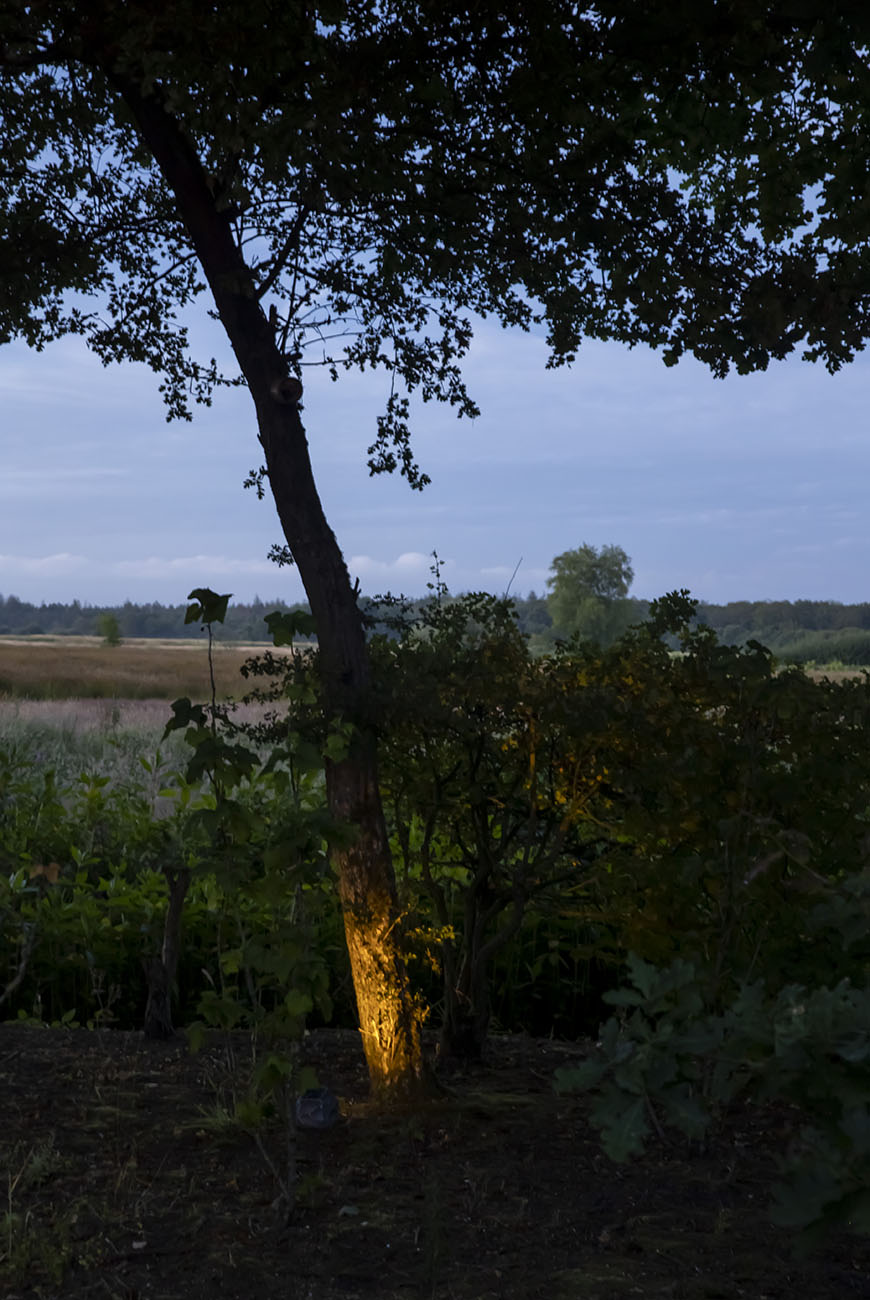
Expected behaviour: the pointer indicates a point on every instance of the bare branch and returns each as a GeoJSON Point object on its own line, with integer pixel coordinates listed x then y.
{"type": "Point", "coordinates": [290, 244]}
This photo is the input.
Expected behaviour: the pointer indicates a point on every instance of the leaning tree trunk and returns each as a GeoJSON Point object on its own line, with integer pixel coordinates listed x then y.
{"type": "Point", "coordinates": [389, 1017]}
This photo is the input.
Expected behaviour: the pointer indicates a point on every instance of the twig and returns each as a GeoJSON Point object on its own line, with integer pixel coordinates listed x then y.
{"type": "Point", "coordinates": [660, 1132]}
{"type": "Point", "coordinates": [26, 950]}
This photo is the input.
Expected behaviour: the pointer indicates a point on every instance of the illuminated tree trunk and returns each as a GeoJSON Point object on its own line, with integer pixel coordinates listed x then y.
{"type": "Point", "coordinates": [389, 1018]}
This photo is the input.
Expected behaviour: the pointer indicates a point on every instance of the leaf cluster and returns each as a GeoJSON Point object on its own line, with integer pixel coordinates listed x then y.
{"type": "Point", "coordinates": [386, 172]}
{"type": "Point", "coordinates": [668, 1062]}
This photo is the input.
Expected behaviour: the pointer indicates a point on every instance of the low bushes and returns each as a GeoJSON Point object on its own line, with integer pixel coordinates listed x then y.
{"type": "Point", "coordinates": [684, 837]}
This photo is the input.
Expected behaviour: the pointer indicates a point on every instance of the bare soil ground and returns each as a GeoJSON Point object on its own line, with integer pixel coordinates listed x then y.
{"type": "Point", "coordinates": [116, 1181]}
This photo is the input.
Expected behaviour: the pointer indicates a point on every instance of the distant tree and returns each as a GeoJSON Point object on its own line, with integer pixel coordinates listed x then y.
{"type": "Point", "coordinates": [533, 616]}
{"type": "Point", "coordinates": [109, 629]}
{"type": "Point", "coordinates": [588, 593]}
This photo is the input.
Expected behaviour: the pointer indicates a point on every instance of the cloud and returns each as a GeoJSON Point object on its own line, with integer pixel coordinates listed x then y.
{"type": "Point", "coordinates": [50, 566]}
{"type": "Point", "coordinates": [161, 567]}
{"type": "Point", "coordinates": [410, 564]}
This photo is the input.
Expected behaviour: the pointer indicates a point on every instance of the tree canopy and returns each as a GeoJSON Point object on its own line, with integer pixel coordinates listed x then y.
{"type": "Point", "coordinates": [687, 180]}
{"type": "Point", "coordinates": [588, 590]}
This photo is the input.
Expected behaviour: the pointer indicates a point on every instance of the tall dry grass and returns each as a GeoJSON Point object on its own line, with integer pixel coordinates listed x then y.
{"type": "Point", "coordinates": [86, 668]}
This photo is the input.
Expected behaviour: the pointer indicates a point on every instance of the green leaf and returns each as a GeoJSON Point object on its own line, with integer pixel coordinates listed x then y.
{"type": "Point", "coordinates": [297, 1003]}
{"type": "Point", "coordinates": [285, 626]}
{"type": "Point", "coordinates": [197, 1036]}
{"type": "Point", "coordinates": [623, 998]}
{"type": "Point", "coordinates": [250, 1113]}
{"type": "Point", "coordinates": [185, 714]}
{"type": "Point", "coordinates": [684, 1111]}
{"type": "Point", "coordinates": [577, 1078]}
{"type": "Point", "coordinates": [231, 961]}
{"type": "Point", "coordinates": [336, 747]}
{"type": "Point", "coordinates": [623, 1124]}
{"type": "Point", "coordinates": [273, 1070]}
{"type": "Point", "coordinates": [644, 976]}
{"type": "Point", "coordinates": [853, 1047]}
{"type": "Point", "coordinates": [208, 608]}
{"type": "Point", "coordinates": [306, 1079]}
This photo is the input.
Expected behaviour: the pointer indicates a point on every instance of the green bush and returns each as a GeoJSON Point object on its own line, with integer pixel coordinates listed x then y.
{"type": "Point", "coordinates": [668, 1062]}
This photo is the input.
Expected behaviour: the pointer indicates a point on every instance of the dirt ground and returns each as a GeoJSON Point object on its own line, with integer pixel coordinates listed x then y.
{"type": "Point", "coordinates": [119, 1179]}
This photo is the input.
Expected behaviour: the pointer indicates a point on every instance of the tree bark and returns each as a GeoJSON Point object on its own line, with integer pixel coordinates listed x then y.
{"type": "Point", "coordinates": [466, 1007]}
{"type": "Point", "coordinates": [389, 1017]}
{"type": "Point", "coordinates": [158, 1014]}
{"type": "Point", "coordinates": [160, 971]}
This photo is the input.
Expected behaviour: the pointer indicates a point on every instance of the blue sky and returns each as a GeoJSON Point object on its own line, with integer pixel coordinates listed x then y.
{"type": "Point", "coordinates": [748, 488]}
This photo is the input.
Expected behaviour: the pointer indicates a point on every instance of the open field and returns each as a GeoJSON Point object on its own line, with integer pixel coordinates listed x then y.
{"type": "Point", "coordinates": [834, 672]}
{"type": "Point", "coordinates": [60, 668]}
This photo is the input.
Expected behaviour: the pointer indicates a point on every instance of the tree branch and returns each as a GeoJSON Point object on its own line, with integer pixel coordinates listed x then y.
{"type": "Point", "coordinates": [26, 951]}
{"type": "Point", "coordinates": [290, 243]}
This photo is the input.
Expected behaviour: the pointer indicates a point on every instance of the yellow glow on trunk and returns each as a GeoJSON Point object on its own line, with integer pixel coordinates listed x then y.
{"type": "Point", "coordinates": [388, 1014]}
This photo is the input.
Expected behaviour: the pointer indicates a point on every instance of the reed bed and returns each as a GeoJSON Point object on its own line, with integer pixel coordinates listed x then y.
{"type": "Point", "coordinates": [75, 704]}
{"type": "Point", "coordinates": [93, 737]}
{"type": "Point", "coordinates": [107, 738]}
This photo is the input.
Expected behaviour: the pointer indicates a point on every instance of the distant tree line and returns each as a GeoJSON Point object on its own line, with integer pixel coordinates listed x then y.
{"type": "Point", "coordinates": [741, 619]}
{"type": "Point", "coordinates": [799, 631]}
{"type": "Point", "coordinates": [588, 598]}
{"type": "Point", "coordinates": [244, 622]}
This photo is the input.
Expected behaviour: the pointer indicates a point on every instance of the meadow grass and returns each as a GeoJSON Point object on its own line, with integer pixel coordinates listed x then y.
{"type": "Point", "coordinates": [62, 668]}
{"type": "Point", "coordinates": [77, 705]}
{"type": "Point", "coordinates": [98, 736]}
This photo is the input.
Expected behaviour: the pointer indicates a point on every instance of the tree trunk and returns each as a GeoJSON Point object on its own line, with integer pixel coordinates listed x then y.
{"type": "Point", "coordinates": [466, 1009]}
{"type": "Point", "coordinates": [158, 1015]}
{"type": "Point", "coordinates": [160, 971]}
{"type": "Point", "coordinates": [388, 1014]}
{"type": "Point", "coordinates": [467, 1003]}
{"type": "Point", "coordinates": [466, 988]}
